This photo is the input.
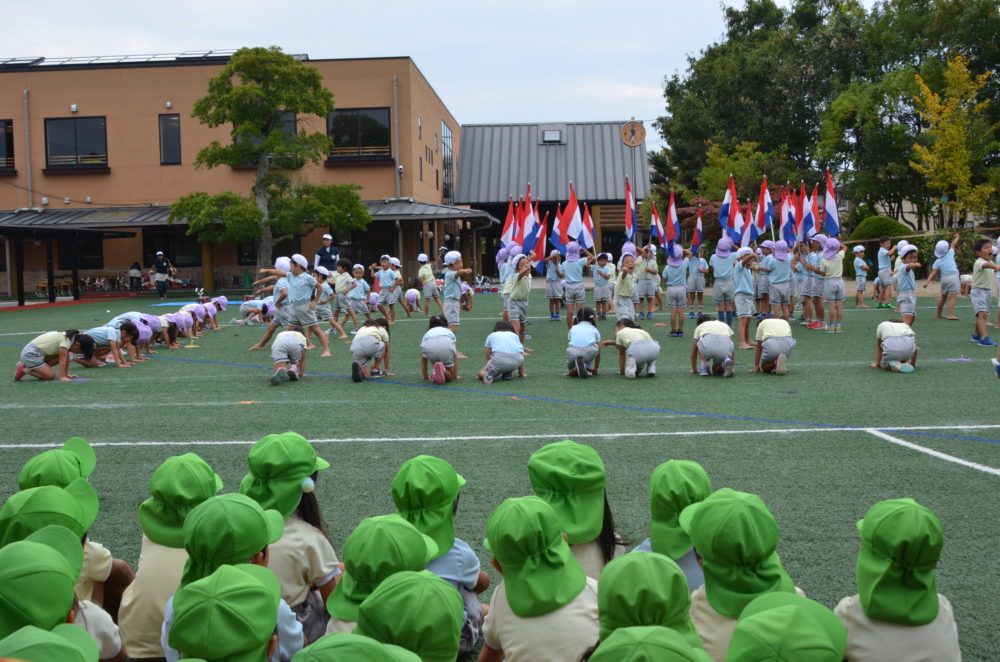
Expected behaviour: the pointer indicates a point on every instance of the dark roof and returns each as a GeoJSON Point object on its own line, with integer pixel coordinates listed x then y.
{"type": "Point", "coordinates": [499, 160]}
{"type": "Point", "coordinates": [186, 58]}
{"type": "Point", "coordinates": [408, 209]}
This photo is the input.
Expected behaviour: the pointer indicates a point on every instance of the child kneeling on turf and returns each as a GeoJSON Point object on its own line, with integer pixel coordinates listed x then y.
{"type": "Point", "coordinates": [438, 349]}
{"type": "Point", "coordinates": [583, 354]}
{"type": "Point", "coordinates": [51, 349]}
{"type": "Point", "coordinates": [895, 347]}
{"type": "Point", "coordinates": [712, 342]}
{"type": "Point", "coordinates": [288, 351]}
{"type": "Point", "coordinates": [370, 343]}
{"type": "Point", "coordinates": [504, 354]}
{"type": "Point", "coordinates": [636, 349]}
{"type": "Point", "coordinates": [774, 345]}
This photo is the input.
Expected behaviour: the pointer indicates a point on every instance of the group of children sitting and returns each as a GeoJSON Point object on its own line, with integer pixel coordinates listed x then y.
{"type": "Point", "coordinates": [251, 575]}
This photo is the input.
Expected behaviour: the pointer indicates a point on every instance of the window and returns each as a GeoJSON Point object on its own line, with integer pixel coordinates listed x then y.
{"type": "Point", "coordinates": [76, 143]}
{"type": "Point", "coordinates": [420, 128]}
{"type": "Point", "coordinates": [170, 139]}
{"type": "Point", "coordinates": [447, 165]}
{"type": "Point", "coordinates": [6, 144]}
{"type": "Point", "coordinates": [290, 124]}
{"type": "Point", "coordinates": [552, 136]}
{"type": "Point", "coordinates": [437, 179]}
{"type": "Point", "coordinates": [360, 133]}
{"type": "Point", "coordinates": [182, 249]}
{"type": "Point", "coordinates": [420, 163]}
{"type": "Point", "coordinates": [88, 249]}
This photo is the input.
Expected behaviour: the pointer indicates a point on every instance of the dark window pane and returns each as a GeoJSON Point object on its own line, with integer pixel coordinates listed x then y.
{"type": "Point", "coordinates": [6, 144]}
{"type": "Point", "coordinates": [60, 138]}
{"type": "Point", "coordinates": [91, 143]}
{"type": "Point", "coordinates": [359, 132]}
{"type": "Point", "coordinates": [447, 165]}
{"type": "Point", "coordinates": [170, 139]}
{"type": "Point", "coordinates": [74, 142]}
{"type": "Point", "coordinates": [375, 132]}
{"type": "Point", "coordinates": [89, 252]}
{"type": "Point", "coordinates": [289, 124]}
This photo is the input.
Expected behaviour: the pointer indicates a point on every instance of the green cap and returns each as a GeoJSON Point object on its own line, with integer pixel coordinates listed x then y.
{"type": "Point", "coordinates": [59, 466]}
{"type": "Point", "coordinates": [64, 643]}
{"type": "Point", "coordinates": [352, 647]}
{"type": "Point", "coordinates": [781, 634]}
{"type": "Point", "coordinates": [37, 576]}
{"type": "Point", "coordinates": [226, 530]}
{"type": "Point", "coordinates": [539, 570]}
{"type": "Point", "coordinates": [736, 536]}
{"type": "Point", "coordinates": [901, 543]}
{"type": "Point", "coordinates": [674, 486]}
{"type": "Point", "coordinates": [74, 507]}
{"type": "Point", "coordinates": [424, 491]}
{"type": "Point", "coordinates": [645, 589]}
{"type": "Point", "coordinates": [415, 610]}
{"type": "Point", "coordinates": [571, 478]}
{"type": "Point", "coordinates": [228, 616]}
{"type": "Point", "coordinates": [650, 643]}
{"type": "Point", "coordinates": [175, 488]}
{"type": "Point", "coordinates": [831, 624]}
{"type": "Point", "coordinates": [379, 547]}
{"type": "Point", "coordinates": [279, 464]}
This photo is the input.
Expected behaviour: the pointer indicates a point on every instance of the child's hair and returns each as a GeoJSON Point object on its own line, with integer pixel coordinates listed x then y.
{"type": "Point", "coordinates": [378, 321]}
{"type": "Point", "coordinates": [345, 263]}
{"type": "Point", "coordinates": [86, 342]}
{"type": "Point", "coordinates": [319, 274]}
{"type": "Point", "coordinates": [584, 315]}
{"type": "Point", "coordinates": [308, 509]}
{"type": "Point", "coordinates": [978, 246]}
{"type": "Point", "coordinates": [71, 335]}
{"type": "Point", "coordinates": [883, 239]}
{"type": "Point", "coordinates": [436, 320]}
{"type": "Point", "coordinates": [128, 328]}
{"type": "Point", "coordinates": [172, 332]}
{"type": "Point", "coordinates": [503, 325]}
{"type": "Point", "coordinates": [607, 539]}
{"type": "Point", "coordinates": [705, 317]}
{"type": "Point", "coordinates": [627, 322]}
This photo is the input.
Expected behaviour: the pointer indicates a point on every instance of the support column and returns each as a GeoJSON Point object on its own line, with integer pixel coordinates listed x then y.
{"type": "Point", "coordinates": [75, 273]}
{"type": "Point", "coordinates": [207, 267]}
{"type": "Point", "coordinates": [595, 218]}
{"type": "Point", "coordinates": [50, 275]}
{"type": "Point", "coordinates": [19, 267]}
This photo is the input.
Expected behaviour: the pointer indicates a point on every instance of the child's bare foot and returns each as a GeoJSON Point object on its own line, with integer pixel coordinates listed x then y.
{"type": "Point", "coordinates": [570, 373]}
{"type": "Point", "coordinates": [324, 354]}
{"type": "Point", "coordinates": [872, 365]}
{"type": "Point", "coordinates": [460, 355]}
{"type": "Point", "coordinates": [310, 346]}
{"type": "Point", "coordinates": [953, 318]}
{"type": "Point", "coordinates": [746, 346]}
{"type": "Point", "coordinates": [342, 337]}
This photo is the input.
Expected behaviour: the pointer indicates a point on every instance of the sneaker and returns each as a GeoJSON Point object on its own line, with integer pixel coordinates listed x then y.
{"type": "Point", "coordinates": [728, 367]}
{"type": "Point", "coordinates": [840, 328]}
{"type": "Point", "coordinates": [527, 336]}
{"type": "Point", "coordinates": [905, 368]}
{"type": "Point", "coordinates": [831, 329]}
{"type": "Point", "coordinates": [975, 337]}
{"type": "Point", "coordinates": [280, 376]}
{"type": "Point", "coordinates": [293, 374]}
{"type": "Point", "coordinates": [651, 369]}
{"type": "Point", "coordinates": [489, 377]}
{"type": "Point", "coordinates": [507, 376]}
{"type": "Point", "coordinates": [781, 365]}
{"type": "Point", "coordinates": [894, 366]}
{"type": "Point", "coordinates": [815, 325]}
{"type": "Point", "coordinates": [375, 373]}
{"type": "Point", "coordinates": [986, 342]}
{"type": "Point", "coordinates": [556, 316]}
{"type": "Point", "coordinates": [691, 316]}
{"type": "Point", "coordinates": [630, 368]}
{"type": "Point", "coordinates": [356, 375]}
{"type": "Point", "coordinates": [581, 367]}
{"type": "Point", "coordinates": [437, 373]}
{"type": "Point", "coordinates": [996, 366]}
{"type": "Point", "coordinates": [704, 370]}
{"type": "Point", "coordinates": [19, 372]}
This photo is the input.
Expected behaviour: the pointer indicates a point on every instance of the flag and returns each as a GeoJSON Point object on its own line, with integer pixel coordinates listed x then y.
{"type": "Point", "coordinates": [535, 241]}
{"type": "Point", "coordinates": [736, 232]}
{"type": "Point", "coordinates": [800, 202]}
{"type": "Point", "coordinates": [571, 224]}
{"type": "Point", "coordinates": [748, 228]}
{"type": "Point", "coordinates": [787, 226]}
{"type": "Point", "coordinates": [554, 238]}
{"type": "Point", "coordinates": [765, 211]}
{"type": "Point", "coordinates": [629, 213]}
{"type": "Point", "coordinates": [808, 214]}
{"type": "Point", "coordinates": [814, 209]}
{"type": "Point", "coordinates": [673, 227]}
{"type": "Point", "coordinates": [696, 239]}
{"type": "Point", "coordinates": [655, 226]}
{"type": "Point", "coordinates": [831, 217]}
{"type": "Point", "coordinates": [507, 236]}
{"type": "Point", "coordinates": [519, 215]}
{"type": "Point", "coordinates": [729, 212]}
{"type": "Point", "coordinates": [529, 226]}
{"type": "Point", "coordinates": [587, 236]}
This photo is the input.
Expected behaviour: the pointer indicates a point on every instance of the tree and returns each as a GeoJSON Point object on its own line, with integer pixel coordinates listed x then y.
{"type": "Point", "coordinates": [255, 93]}
{"type": "Point", "coordinates": [958, 138]}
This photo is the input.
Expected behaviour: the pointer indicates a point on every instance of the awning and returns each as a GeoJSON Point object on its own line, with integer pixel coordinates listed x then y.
{"type": "Point", "coordinates": [408, 209]}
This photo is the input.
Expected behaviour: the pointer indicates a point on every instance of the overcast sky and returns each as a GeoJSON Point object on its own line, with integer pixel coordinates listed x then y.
{"type": "Point", "coordinates": [512, 61]}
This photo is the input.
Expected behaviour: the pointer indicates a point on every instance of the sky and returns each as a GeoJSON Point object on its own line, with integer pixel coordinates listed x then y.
{"type": "Point", "coordinates": [491, 62]}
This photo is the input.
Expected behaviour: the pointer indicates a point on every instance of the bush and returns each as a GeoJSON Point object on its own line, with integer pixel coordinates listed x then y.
{"type": "Point", "coordinates": [874, 227]}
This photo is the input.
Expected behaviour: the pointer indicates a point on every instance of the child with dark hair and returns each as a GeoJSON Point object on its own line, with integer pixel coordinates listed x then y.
{"type": "Point", "coordinates": [108, 340]}
{"type": "Point", "coordinates": [712, 351]}
{"type": "Point", "coordinates": [982, 290]}
{"type": "Point", "coordinates": [437, 348]}
{"type": "Point", "coordinates": [50, 349]}
{"type": "Point", "coordinates": [504, 354]}
{"type": "Point", "coordinates": [583, 355]}
{"type": "Point", "coordinates": [371, 343]}
{"type": "Point", "coordinates": [636, 349]}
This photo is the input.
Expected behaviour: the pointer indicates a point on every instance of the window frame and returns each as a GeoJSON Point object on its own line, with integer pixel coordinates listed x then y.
{"type": "Point", "coordinates": [359, 155]}
{"type": "Point", "coordinates": [66, 247]}
{"type": "Point", "coordinates": [7, 162]}
{"type": "Point", "coordinates": [159, 122]}
{"type": "Point", "coordinates": [102, 166]}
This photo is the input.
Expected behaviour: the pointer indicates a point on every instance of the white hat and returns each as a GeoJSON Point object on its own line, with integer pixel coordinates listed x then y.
{"type": "Point", "coordinates": [941, 248]}
{"type": "Point", "coordinates": [743, 252]}
{"type": "Point", "coordinates": [652, 248]}
{"type": "Point", "coordinates": [900, 244]}
{"type": "Point", "coordinates": [283, 264]}
{"type": "Point", "coordinates": [357, 266]}
{"type": "Point", "coordinates": [422, 257]}
{"type": "Point", "coordinates": [300, 260]}
{"type": "Point", "coordinates": [859, 249]}
{"type": "Point", "coordinates": [327, 236]}
{"type": "Point", "coordinates": [384, 256]}
{"type": "Point", "coordinates": [159, 252]}
{"type": "Point", "coordinates": [323, 270]}
{"type": "Point", "coordinates": [909, 248]}
{"type": "Point", "coordinates": [451, 257]}
{"type": "Point", "coordinates": [394, 261]}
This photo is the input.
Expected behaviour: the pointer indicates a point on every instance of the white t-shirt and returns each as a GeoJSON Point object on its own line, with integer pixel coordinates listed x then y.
{"type": "Point", "coordinates": [99, 625]}
{"type": "Point", "coordinates": [874, 641]}
{"type": "Point", "coordinates": [773, 328]}
{"type": "Point", "coordinates": [590, 558]}
{"type": "Point", "coordinates": [712, 327]}
{"type": "Point", "coordinates": [893, 329]}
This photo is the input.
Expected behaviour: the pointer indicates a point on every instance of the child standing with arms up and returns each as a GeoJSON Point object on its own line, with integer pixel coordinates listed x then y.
{"type": "Point", "coordinates": [950, 278]}
{"type": "Point", "coordinates": [982, 290]}
{"type": "Point", "coordinates": [743, 285]}
{"type": "Point", "coordinates": [553, 283]}
{"type": "Point", "coordinates": [604, 272]}
{"type": "Point", "coordinates": [833, 283]}
{"type": "Point", "coordinates": [388, 281]}
{"type": "Point", "coordinates": [453, 289]}
{"type": "Point", "coordinates": [429, 284]}
{"type": "Point", "coordinates": [885, 251]}
{"type": "Point", "coordinates": [647, 279]}
{"type": "Point", "coordinates": [697, 268]}
{"type": "Point", "coordinates": [517, 308]}
{"type": "Point", "coordinates": [574, 293]}
{"type": "Point", "coordinates": [356, 290]}
{"type": "Point", "coordinates": [674, 274]}
{"type": "Point", "coordinates": [907, 278]}
{"type": "Point", "coordinates": [324, 310]}
{"type": "Point", "coordinates": [624, 288]}
{"type": "Point", "coordinates": [860, 276]}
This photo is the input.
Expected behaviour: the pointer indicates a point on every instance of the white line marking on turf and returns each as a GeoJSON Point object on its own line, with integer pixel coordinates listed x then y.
{"type": "Point", "coordinates": [564, 435]}
{"type": "Point", "coordinates": [930, 451]}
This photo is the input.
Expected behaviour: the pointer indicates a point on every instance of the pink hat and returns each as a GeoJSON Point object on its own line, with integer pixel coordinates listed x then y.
{"type": "Point", "coordinates": [501, 256]}
{"type": "Point", "coordinates": [768, 244]}
{"type": "Point", "coordinates": [210, 309]}
{"type": "Point", "coordinates": [676, 257]}
{"type": "Point", "coordinates": [819, 238]}
{"type": "Point", "coordinates": [781, 250]}
{"type": "Point", "coordinates": [572, 251]}
{"type": "Point", "coordinates": [372, 299]}
{"type": "Point", "coordinates": [628, 248]}
{"type": "Point", "coordinates": [145, 334]}
{"type": "Point", "coordinates": [554, 252]}
{"type": "Point", "coordinates": [151, 320]}
{"type": "Point", "coordinates": [221, 301]}
{"type": "Point", "coordinates": [830, 248]}
{"type": "Point", "coordinates": [724, 246]}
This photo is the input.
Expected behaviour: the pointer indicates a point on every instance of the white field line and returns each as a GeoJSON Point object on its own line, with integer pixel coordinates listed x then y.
{"type": "Point", "coordinates": [933, 453]}
{"type": "Point", "coordinates": [488, 437]}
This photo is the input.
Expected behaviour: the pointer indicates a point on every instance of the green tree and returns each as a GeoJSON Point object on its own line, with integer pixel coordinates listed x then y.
{"type": "Point", "coordinates": [958, 137]}
{"type": "Point", "coordinates": [254, 94]}
{"type": "Point", "coordinates": [748, 166]}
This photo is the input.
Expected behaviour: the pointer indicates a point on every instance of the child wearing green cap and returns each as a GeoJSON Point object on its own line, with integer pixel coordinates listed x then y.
{"type": "Point", "coordinates": [546, 608]}
{"type": "Point", "coordinates": [651, 643]}
{"type": "Point", "coordinates": [787, 627]}
{"type": "Point", "coordinates": [177, 486]}
{"type": "Point", "coordinates": [283, 473]}
{"type": "Point", "coordinates": [64, 643]}
{"type": "Point", "coordinates": [898, 613]}
{"type": "Point", "coordinates": [571, 478]}
{"type": "Point", "coordinates": [347, 647]}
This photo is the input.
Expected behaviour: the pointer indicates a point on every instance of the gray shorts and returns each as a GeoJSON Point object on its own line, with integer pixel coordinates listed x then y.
{"type": "Point", "coordinates": [781, 293]}
{"type": "Point", "coordinates": [342, 303]}
{"type": "Point", "coordinates": [282, 314]}
{"type": "Point", "coordinates": [676, 296]}
{"type": "Point", "coordinates": [588, 354]}
{"type": "Point", "coordinates": [885, 277]}
{"type": "Point", "coordinates": [744, 305]}
{"type": "Point", "coordinates": [723, 291]}
{"type": "Point", "coordinates": [359, 306]}
{"type": "Point", "coordinates": [774, 346]}
{"type": "Point", "coordinates": [301, 315]}
{"type": "Point", "coordinates": [907, 300]}
{"type": "Point", "coordinates": [980, 299]}
{"type": "Point", "coordinates": [439, 348]}
{"type": "Point", "coordinates": [833, 289]}
{"type": "Point", "coordinates": [517, 310]}
{"type": "Point", "coordinates": [624, 308]}
{"type": "Point", "coordinates": [860, 283]}
{"type": "Point", "coordinates": [696, 283]}
{"type": "Point", "coordinates": [950, 284]}
{"type": "Point", "coordinates": [715, 347]}
{"type": "Point", "coordinates": [574, 293]}
{"type": "Point", "coordinates": [32, 357]}
{"type": "Point", "coordinates": [286, 350]}
{"type": "Point", "coordinates": [323, 311]}
{"type": "Point", "coordinates": [602, 292]}
{"type": "Point", "coordinates": [246, 309]}
{"type": "Point", "coordinates": [646, 288]}
{"type": "Point", "coordinates": [553, 289]}
{"type": "Point", "coordinates": [366, 348]}
{"type": "Point", "coordinates": [898, 348]}
{"type": "Point", "coordinates": [453, 311]}
{"type": "Point", "coordinates": [644, 352]}
{"type": "Point", "coordinates": [430, 290]}
{"type": "Point", "coordinates": [764, 284]}
{"type": "Point", "coordinates": [388, 297]}
{"type": "Point", "coordinates": [503, 362]}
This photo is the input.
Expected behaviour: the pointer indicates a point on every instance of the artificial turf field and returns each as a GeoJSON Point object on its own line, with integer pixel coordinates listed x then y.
{"type": "Point", "coordinates": [819, 445]}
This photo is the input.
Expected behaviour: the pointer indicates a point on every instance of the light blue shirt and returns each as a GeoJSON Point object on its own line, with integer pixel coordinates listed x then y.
{"type": "Point", "coordinates": [744, 279]}
{"type": "Point", "coordinates": [551, 271]}
{"type": "Point", "coordinates": [325, 290]}
{"type": "Point", "coordinates": [675, 275]}
{"type": "Point", "coordinates": [858, 271]}
{"type": "Point", "coordinates": [816, 260]}
{"type": "Point", "coordinates": [688, 563]}
{"type": "Point", "coordinates": [300, 288]}
{"type": "Point", "coordinates": [944, 264]}
{"type": "Point", "coordinates": [103, 335]}
{"type": "Point", "coordinates": [800, 272]}
{"type": "Point", "coordinates": [884, 262]}
{"type": "Point", "coordinates": [602, 274]}
{"type": "Point", "coordinates": [583, 334]}
{"type": "Point", "coordinates": [573, 271]}
{"type": "Point", "coordinates": [504, 341]}
{"type": "Point", "coordinates": [505, 271]}
{"type": "Point", "coordinates": [907, 279]}
{"type": "Point", "coordinates": [722, 267]}
{"type": "Point", "coordinates": [386, 277]}
{"type": "Point", "coordinates": [361, 290]}
{"type": "Point", "coordinates": [436, 332]}
{"type": "Point", "coordinates": [452, 285]}
{"type": "Point", "coordinates": [694, 264]}
{"type": "Point", "coordinates": [459, 566]}
{"type": "Point", "coordinates": [781, 271]}
{"type": "Point", "coordinates": [118, 320]}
